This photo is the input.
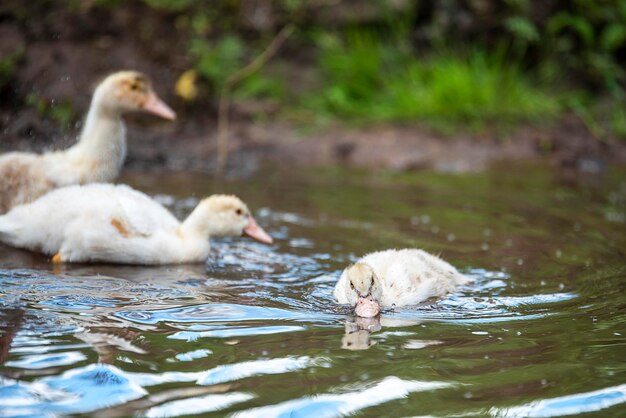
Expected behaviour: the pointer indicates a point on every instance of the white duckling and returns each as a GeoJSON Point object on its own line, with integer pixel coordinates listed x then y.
{"type": "Point", "coordinates": [117, 224]}
{"type": "Point", "coordinates": [101, 149]}
{"type": "Point", "coordinates": [395, 278]}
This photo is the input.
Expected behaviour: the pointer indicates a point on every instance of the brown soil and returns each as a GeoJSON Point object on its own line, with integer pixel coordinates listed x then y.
{"type": "Point", "coordinates": [64, 57]}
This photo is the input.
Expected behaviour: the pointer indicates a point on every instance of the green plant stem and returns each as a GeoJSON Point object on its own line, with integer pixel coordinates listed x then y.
{"type": "Point", "coordinates": [231, 83]}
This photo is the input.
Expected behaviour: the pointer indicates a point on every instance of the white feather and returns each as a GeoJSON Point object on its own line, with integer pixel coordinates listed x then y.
{"type": "Point", "coordinates": [407, 276]}
{"type": "Point", "coordinates": [79, 222]}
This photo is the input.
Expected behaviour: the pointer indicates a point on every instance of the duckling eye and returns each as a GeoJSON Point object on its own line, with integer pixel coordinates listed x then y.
{"type": "Point", "coordinates": [134, 86]}
{"type": "Point", "coordinates": [352, 285]}
{"type": "Point", "coordinates": [239, 212]}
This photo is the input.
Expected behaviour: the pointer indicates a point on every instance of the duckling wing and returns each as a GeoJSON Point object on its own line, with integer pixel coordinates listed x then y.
{"type": "Point", "coordinates": [70, 215]}
{"type": "Point", "coordinates": [141, 215]}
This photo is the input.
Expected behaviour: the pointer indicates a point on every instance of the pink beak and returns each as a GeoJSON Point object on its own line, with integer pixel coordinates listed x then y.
{"type": "Point", "coordinates": [367, 307]}
{"type": "Point", "coordinates": [158, 107]}
{"type": "Point", "coordinates": [253, 230]}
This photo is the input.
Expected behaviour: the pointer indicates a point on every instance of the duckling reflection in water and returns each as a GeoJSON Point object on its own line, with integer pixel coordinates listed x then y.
{"type": "Point", "coordinates": [359, 329]}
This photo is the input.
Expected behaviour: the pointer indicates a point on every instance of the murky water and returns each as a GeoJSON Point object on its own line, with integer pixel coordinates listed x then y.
{"type": "Point", "coordinates": [255, 332]}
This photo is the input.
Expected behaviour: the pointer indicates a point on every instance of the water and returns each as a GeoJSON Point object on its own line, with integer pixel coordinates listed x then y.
{"type": "Point", "coordinates": [255, 332]}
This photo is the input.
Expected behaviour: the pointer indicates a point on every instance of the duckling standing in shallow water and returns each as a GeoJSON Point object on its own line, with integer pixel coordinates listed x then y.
{"type": "Point", "coordinates": [395, 278]}
{"type": "Point", "coordinates": [101, 149]}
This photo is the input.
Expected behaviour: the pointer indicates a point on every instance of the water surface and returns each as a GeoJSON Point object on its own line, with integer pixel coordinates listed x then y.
{"type": "Point", "coordinates": [255, 333]}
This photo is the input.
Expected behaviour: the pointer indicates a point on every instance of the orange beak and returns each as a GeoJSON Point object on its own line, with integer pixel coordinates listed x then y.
{"type": "Point", "coordinates": [253, 230]}
{"type": "Point", "coordinates": [158, 107]}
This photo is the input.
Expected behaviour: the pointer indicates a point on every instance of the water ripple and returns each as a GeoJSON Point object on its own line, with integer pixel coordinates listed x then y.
{"type": "Point", "coordinates": [234, 332]}
{"type": "Point", "coordinates": [197, 405]}
{"type": "Point", "coordinates": [567, 405]}
{"type": "Point", "coordinates": [337, 405]}
{"type": "Point", "coordinates": [224, 373]}
{"type": "Point", "coordinates": [48, 360]}
{"type": "Point", "coordinates": [212, 313]}
{"type": "Point", "coordinates": [80, 390]}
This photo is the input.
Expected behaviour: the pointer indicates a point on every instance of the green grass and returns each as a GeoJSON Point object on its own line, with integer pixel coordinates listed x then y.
{"type": "Point", "coordinates": [218, 60]}
{"type": "Point", "coordinates": [9, 64]}
{"type": "Point", "coordinates": [62, 113]}
{"type": "Point", "coordinates": [365, 79]}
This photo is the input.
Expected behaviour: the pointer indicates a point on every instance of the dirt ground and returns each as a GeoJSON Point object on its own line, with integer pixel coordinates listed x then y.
{"type": "Point", "coordinates": [64, 58]}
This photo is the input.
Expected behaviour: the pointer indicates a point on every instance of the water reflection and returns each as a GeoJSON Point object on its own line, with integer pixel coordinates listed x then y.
{"type": "Point", "coordinates": [349, 402]}
{"type": "Point", "coordinates": [358, 330]}
{"type": "Point", "coordinates": [596, 400]}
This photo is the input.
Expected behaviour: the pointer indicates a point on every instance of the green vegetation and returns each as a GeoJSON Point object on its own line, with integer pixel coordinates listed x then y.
{"type": "Point", "coordinates": [63, 113]}
{"type": "Point", "coordinates": [9, 64]}
{"type": "Point", "coordinates": [370, 80]}
{"type": "Point", "coordinates": [529, 66]}
{"type": "Point", "coordinates": [453, 65]}
{"type": "Point", "coordinates": [217, 61]}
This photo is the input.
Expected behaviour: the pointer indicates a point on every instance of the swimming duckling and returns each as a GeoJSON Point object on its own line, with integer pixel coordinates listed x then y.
{"type": "Point", "coordinates": [117, 224]}
{"type": "Point", "coordinates": [395, 278]}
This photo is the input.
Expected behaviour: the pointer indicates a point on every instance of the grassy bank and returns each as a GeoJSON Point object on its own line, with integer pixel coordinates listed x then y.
{"type": "Point", "coordinates": [453, 66]}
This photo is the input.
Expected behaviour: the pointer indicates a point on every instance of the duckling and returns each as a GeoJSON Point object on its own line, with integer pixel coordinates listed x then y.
{"type": "Point", "coordinates": [117, 224]}
{"type": "Point", "coordinates": [395, 278]}
{"type": "Point", "coordinates": [101, 149]}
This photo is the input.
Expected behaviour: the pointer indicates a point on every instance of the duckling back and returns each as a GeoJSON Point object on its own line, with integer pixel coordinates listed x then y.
{"type": "Point", "coordinates": [408, 276]}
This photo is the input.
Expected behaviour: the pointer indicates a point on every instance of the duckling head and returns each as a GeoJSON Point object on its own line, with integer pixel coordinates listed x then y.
{"type": "Point", "coordinates": [364, 282]}
{"type": "Point", "coordinates": [224, 215]}
{"type": "Point", "coordinates": [127, 91]}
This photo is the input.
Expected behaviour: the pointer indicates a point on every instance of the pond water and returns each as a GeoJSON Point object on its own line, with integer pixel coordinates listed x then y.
{"type": "Point", "coordinates": [255, 332]}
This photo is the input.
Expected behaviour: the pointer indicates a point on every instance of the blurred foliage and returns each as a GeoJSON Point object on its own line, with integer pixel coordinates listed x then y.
{"type": "Point", "coordinates": [474, 62]}
{"type": "Point", "coordinates": [63, 113]}
{"type": "Point", "coordinates": [372, 79]}
{"type": "Point", "coordinates": [216, 61]}
{"type": "Point", "coordinates": [9, 64]}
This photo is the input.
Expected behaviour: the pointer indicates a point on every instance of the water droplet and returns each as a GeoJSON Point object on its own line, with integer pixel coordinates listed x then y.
{"type": "Point", "coordinates": [544, 382]}
{"type": "Point", "coordinates": [558, 253]}
{"type": "Point", "coordinates": [425, 219]}
{"type": "Point", "coordinates": [468, 395]}
{"type": "Point", "coordinates": [520, 261]}
{"type": "Point", "coordinates": [451, 237]}
{"type": "Point", "coordinates": [543, 282]}
{"type": "Point", "coordinates": [487, 232]}
{"type": "Point", "coordinates": [434, 229]}
{"type": "Point", "coordinates": [484, 246]}
{"type": "Point", "coordinates": [518, 333]}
